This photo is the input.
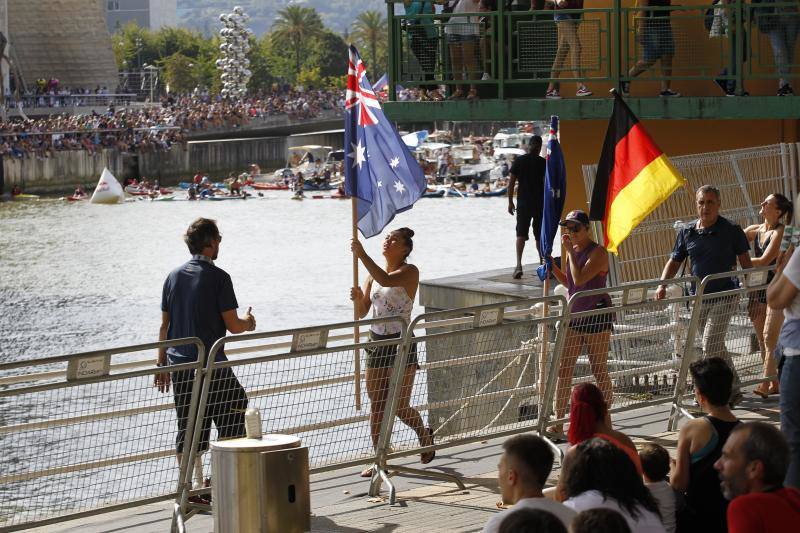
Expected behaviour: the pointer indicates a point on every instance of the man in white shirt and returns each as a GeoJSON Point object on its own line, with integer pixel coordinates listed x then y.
{"type": "Point", "coordinates": [522, 472]}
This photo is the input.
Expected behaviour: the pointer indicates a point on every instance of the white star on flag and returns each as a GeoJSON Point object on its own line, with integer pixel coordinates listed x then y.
{"type": "Point", "coordinates": [399, 187]}
{"type": "Point", "coordinates": [358, 155]}
{"type": "Point", "coordinates": [394, 162]}
{"type": "Point", "coordinates": [380, 183]}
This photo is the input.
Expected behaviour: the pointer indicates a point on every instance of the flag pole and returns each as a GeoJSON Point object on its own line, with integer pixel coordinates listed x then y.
{"type": "Point", "coordinates": [543, 353]}
{"type": "Point", "coordinates": [356, 333]}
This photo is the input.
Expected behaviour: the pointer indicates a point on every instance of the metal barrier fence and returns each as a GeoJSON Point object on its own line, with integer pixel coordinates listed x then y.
{"type": "Point", "coordinates": [78, 440]}
{"type": "Point", "coordinates": [474, 376]}
{"type": "Point", "coordinates": [730, 323]}
{"type": "Point", "coordinates": [729, 43]}
{"type": "Point", "coordinates": [745, 177]}
{"type": "Point", "coordinates": [100, 437]}
{"type": "Point", "coordinates": [303, 385]}
{"type": "Point", "coordinates": [624, 339]}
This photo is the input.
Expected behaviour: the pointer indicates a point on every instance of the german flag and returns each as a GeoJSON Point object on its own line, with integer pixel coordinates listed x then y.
{"type": "Point", "coordinates": [633, 177]}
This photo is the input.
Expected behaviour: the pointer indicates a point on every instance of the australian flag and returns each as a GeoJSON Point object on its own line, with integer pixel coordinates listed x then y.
{"type": "Point", "coordinates": [379, 170]}
{"type": "Point", "coordinates": [555, 193]}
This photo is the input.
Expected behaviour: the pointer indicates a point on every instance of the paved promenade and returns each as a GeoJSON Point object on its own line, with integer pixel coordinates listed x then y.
{"type": "Point", "coordinates": [340, 502]}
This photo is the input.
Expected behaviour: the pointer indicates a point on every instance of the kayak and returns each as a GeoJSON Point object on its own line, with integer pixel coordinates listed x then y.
{"type": "Point", "coordinates": [220, 197]}
{"type": "Point", "coordinates": [455, 193]}
{"type": "Point", "coordinates": [488, 194]}
{"type": "Point", "coordinates": [433, 194]}
{"type": "Point", "coordinates": [309, 186]}
{"type": "Point", "coordinates": [167, 198]}
{"type": "Point", "coordinates": [74, 198]}
{"type": "Point", "coordinates": [270, 186]}
{"type": "Point", "coordinates": [25, 197]}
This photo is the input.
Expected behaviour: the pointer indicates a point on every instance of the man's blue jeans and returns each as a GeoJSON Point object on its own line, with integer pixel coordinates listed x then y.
{"type": "Point", "coordinates": [790, 416]}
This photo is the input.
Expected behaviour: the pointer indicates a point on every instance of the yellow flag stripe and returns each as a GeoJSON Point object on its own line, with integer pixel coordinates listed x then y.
{"type": "Point", "coordinates": [639, 198]}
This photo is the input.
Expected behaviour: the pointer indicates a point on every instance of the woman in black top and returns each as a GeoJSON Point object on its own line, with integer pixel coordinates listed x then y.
{"type": "Point", "coordinates": [766, 238]}
{"type": "Point", "coordinates": [700, 444]}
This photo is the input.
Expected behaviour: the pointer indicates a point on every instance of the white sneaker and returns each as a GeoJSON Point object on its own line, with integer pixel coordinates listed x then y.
{"type": "Point", "coordinates": [583, 91]}
{"type": "Point", "coordinates": [552, 95]}
{"type": "Point", "coordinates": [486, 76]}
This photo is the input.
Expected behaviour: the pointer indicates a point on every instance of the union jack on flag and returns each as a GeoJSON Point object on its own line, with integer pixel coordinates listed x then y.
{"type": "Point", "coordinates": [379, 170]}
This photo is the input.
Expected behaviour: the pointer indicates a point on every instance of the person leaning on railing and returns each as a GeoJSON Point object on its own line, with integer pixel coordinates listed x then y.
{"type": "Point", "coordinates": [584, 267]}
{"type": "Point", "coordinates": [766, 239]}
{"type": "Point", "coordinates": [398, 282]}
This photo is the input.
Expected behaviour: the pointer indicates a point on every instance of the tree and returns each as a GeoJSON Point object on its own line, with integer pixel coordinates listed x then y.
{"type": "Point", "coordinates": [294, 26]}
{"type": "Point", "coordinates": [180, 73]}
{"type": "Point", "coordinates": [370, 31]}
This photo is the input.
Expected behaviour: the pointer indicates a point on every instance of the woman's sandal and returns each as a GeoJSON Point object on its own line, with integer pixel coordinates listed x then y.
{"type": "Point", "coordinates": [759, 391]}
{"type": "Point", "coordinates": [427, 457]}
{"type": "Point", "coordinates": [472, 95]}
{"type": "Point", "coordinates": [367, 472]}
{"type": "Point", "coordinates": [457, 95]}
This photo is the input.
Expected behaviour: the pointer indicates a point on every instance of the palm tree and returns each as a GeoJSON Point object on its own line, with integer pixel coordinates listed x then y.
{"type": "Point", "coordinates": [370, 29]}
{"type": "Point", "coordinates": [295, 25]}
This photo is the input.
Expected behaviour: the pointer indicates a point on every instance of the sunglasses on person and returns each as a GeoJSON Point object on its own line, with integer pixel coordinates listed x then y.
{"type": "Point", "coordinates": [573, 228]}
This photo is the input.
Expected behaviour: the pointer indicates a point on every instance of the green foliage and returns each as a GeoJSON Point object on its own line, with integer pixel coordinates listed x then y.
{"type": "Point", "coordinates": [298, 49]}
{"type": "Point", "coordinates": [370, 34]}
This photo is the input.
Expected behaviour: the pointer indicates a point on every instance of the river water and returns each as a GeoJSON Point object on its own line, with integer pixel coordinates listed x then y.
{"type": "Point", "coordinates": [76, 277]}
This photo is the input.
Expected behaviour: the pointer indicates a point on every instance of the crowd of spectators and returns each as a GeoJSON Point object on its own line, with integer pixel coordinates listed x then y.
{"type": "Point", "coordinates": [156, 127]}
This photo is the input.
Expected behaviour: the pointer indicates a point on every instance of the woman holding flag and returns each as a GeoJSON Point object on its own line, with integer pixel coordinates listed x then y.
{"type": "Point", "coordinates": [398, 284]}
{"type": "Point", "coordinates": [585, 267]}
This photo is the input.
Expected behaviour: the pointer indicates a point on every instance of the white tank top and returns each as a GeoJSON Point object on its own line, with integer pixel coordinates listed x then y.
{"type": "Point", "coordinates": [390, 301]}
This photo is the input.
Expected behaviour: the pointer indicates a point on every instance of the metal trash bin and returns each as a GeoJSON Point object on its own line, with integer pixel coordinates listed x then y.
{"type": "Point", "coordinates": [260, 485]}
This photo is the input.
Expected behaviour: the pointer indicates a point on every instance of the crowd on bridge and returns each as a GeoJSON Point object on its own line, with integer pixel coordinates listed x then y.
{"type": "Point", "coordinates": [158, 127]}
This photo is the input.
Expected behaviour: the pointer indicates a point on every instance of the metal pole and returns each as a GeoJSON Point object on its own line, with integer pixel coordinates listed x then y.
{"type": "Point", "coordinates": [394, 50]}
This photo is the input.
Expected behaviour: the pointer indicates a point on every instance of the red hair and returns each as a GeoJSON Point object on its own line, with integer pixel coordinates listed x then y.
{"type": "Point", "coordinates": [587, 407]}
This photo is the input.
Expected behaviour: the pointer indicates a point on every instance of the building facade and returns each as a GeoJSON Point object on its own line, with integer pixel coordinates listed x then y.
{"type": "Point", "coordinates": [150, 14]}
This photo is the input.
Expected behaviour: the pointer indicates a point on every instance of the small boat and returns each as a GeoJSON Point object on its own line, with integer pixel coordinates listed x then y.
{"type": "Point", "coordinates": [270, 186]}
{"type": "Point", "coordinates": [24, 197]}
{"type": "Point", "coordinates": [489, 194]}
{"type": "Point", "coordinates": [163, 198]}
{"type": "Point", "coordinates": [311, 186]}
{"type": "Point", "coordinates": [138, 191]}
{"type": "Point", "coordinates": [74, 198]}
{"type": "Point", "coordinates": [453, 192]}
{"type": "Point", "coordinates": [433, 194]}
{"type": "Point", "coordinates": [219, 197]}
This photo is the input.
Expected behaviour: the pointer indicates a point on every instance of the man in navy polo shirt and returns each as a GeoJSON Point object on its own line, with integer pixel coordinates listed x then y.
{"type": "Point", "coordinates": [198, 301]}
{"type": "Point", "coordinates": [713, 244]}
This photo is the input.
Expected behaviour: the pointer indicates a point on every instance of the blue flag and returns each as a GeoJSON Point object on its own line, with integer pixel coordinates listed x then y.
{"type": "Point", "coordinates": [382, 83]}
{"type": "Point", "coordinates": [555, 193]}
{"type": "Point", "coordinates": [379, 170]}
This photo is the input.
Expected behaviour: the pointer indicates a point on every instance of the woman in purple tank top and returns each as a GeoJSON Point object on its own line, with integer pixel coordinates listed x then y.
{"type": "Point", "coordinates": [585, 267]}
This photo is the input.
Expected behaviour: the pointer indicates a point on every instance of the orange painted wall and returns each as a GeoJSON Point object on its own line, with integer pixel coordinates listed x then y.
{"type": "Point", "coordinates": [582, 140]}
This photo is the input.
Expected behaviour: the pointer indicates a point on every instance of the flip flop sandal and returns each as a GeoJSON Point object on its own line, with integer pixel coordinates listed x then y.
{"type": "Point", "coordinates": [517, 273]}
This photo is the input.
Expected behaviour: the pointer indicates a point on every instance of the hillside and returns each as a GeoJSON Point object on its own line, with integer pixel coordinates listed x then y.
{"type": "Point", "coordinates": [338, 15]}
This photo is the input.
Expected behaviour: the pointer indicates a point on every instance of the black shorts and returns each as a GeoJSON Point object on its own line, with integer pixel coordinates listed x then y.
{"type": "Point", "coordinates": [598, 323]}
{"type": "Point", "coordinates": [226, 404]}
{"type": "Point", "coordinates": [384, 356]}
{"type": "Point", "coordinates": [527, 218]}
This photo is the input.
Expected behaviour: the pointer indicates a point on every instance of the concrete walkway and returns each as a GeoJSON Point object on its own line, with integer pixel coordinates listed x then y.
{"type": "Point", "coordinates": [340, 502]}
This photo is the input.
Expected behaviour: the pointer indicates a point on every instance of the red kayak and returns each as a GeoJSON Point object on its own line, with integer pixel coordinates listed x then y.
{"type": "Point", "coordinates": [270, 186]}
{"type": "Point", "coordinates": [74, 198]}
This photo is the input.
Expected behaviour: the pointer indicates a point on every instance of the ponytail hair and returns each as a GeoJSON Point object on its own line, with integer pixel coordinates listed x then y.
{"type": "Point", "coordinates": [407, 234]}
{"type": "Point", "coordinates": [587, 407]}
{"type": "Point", "coordinates": [784, 205]}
